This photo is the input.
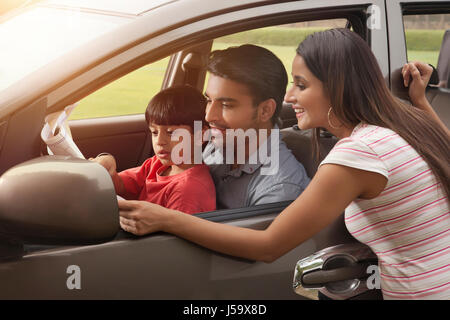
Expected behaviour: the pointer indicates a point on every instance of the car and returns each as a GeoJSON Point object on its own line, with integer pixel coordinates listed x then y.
{"type": "Point", "coordinates": [59, 230]}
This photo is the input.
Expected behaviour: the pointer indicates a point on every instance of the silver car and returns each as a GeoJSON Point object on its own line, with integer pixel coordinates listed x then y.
{"type": "Point", "coordinates": [59, 230]}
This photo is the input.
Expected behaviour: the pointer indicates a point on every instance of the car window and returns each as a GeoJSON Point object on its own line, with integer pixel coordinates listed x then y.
{"type": "Point", "coordinates": [424, 34]}
{"type": "Point", "coordinates": [281, 40]}
{"type": "Point", "coordinates": [129, 94]}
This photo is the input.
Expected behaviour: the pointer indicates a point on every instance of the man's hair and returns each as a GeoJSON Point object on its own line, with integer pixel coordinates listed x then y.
{"type": "Point", "coordinates": [255, 67]}
{"type": "Point", "coordinates": [178, 105]}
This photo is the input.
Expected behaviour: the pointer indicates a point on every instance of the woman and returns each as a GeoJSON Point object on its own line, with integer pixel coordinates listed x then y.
{"type": "Point", "coordinates": [389, 172]}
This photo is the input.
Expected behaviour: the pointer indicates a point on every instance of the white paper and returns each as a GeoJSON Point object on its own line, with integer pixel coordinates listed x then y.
{"type": "Point", "coordinates": [56, 134]}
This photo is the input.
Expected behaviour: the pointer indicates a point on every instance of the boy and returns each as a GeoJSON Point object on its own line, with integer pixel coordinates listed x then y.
{"type": "Point", "coordinates": [187, 187]}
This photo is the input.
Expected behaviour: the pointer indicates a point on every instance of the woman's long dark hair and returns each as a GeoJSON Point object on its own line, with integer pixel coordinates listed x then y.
{"type": "Point", "coordinates": [352, 79]}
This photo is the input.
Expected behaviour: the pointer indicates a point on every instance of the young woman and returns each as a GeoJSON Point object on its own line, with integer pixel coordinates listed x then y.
{"type": "Point", "coordinates": [389, 172]}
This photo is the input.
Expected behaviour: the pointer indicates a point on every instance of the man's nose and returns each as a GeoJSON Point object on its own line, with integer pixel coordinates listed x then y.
{"type": "Point", "coordinates": [213, 112]}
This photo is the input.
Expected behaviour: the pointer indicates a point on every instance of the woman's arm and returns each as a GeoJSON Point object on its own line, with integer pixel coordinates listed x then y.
{"type": "Point", "coordinates": [326, 197]}
{"type": "Point", "coordinates": [416, 75]}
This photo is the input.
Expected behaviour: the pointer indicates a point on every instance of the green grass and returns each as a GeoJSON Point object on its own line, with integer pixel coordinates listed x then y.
{"type": "Point", "coordinates": [424, 40]}
{"type": "Point", "coordinates": [277, 36]}
{"type": "Point", "coordinates": [131, 93]}
{"type": "Point", "coordinates": [424, 56]}
{"type": "Point", "coordinates": [127, 95]}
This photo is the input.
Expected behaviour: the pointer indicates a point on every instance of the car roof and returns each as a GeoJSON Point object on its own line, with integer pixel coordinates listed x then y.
{"type": "Point", "coordinates": [129, 7]}
{"type": "Point", "coordinates": [145, 19]}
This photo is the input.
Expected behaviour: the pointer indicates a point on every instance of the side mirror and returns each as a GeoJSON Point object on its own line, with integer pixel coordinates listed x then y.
{"type": "Point", "coordinates": [58, 200]}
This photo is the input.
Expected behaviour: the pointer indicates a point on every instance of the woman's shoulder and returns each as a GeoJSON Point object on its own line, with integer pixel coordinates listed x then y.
{"type": "Point", "coordinates": [372, 137]}
{"type": "Point", "coordinates": [367, 132]}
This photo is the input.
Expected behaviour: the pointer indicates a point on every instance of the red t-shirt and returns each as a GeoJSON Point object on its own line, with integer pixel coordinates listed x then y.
{"type": "Point", "coordinates": [190, 191]}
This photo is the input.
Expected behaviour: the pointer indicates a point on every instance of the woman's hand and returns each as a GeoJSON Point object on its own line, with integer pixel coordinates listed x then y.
{"type": "Point", "coordinates": [142, 217]}
{"type": "Point", "coordinates": [416, 76]}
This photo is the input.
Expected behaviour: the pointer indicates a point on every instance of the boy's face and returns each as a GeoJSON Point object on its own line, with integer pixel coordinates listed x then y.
{"type": "Point", "coordinates": [162, 142]}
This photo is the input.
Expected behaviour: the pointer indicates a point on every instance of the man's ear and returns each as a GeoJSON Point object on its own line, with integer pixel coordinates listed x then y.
{"type": "Point", "coordinates": [266, 109]}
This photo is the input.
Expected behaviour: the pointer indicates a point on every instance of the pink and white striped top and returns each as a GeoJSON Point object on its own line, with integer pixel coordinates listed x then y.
{"type": "Point", "coordinates": [408, 224]}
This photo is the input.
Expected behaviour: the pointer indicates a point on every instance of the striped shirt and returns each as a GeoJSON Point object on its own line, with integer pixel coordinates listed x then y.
{"type": "Point", "coordinates": [408, 224]}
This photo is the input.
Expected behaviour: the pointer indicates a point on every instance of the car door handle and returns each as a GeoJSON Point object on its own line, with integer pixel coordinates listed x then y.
{"type": "Point", "coordinates": [320, 277]}
{"type": "Point", "coordinates": [338, 272]}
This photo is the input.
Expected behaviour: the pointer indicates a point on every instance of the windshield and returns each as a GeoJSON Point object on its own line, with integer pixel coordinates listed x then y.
{"type": "Point", "coordinates": [38, 36]}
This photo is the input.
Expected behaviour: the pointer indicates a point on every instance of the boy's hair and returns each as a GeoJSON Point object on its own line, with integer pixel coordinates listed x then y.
{"type": "Point", "coordinates": [178, 105]}
{"type": "Point", "coordinates": [256, 67]}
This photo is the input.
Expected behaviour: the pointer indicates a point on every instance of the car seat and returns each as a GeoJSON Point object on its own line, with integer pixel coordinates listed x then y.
{"type": "Point", "coordinates": [443, 65]}
{"type": "Point", "coordinates": [300, 143]}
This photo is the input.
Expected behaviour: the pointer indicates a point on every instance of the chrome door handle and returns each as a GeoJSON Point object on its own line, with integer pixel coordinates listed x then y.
{"type": "Point", "coordinates": [338, 272]}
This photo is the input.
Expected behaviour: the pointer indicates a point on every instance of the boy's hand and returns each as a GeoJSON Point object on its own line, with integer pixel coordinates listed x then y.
{"type": "Point", "coordinates": [107, 161]}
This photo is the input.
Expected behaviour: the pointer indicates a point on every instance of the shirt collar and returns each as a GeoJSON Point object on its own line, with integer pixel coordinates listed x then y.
{"type": "Point", "coordinates": [250, 168]}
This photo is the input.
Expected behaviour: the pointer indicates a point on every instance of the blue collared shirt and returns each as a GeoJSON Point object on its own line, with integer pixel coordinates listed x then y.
{"type": "Point", "coordinates": [248, 184]}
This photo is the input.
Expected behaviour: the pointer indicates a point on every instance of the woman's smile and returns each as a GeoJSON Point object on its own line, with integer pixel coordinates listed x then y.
{"type": "Point", "coordinates": [298, 111]}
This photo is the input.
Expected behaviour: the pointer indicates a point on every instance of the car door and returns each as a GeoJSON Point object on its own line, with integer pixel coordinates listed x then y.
{"type": "Point", "coordinates": [161, 266]}
{"type": "Point", "coordinates": [415, 30]}
{"type": "Point", "coordinates": [397, 14]}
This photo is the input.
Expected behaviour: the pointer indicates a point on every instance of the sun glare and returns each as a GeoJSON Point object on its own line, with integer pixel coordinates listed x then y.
{"type": "Point", "coordinates": [40, 35]}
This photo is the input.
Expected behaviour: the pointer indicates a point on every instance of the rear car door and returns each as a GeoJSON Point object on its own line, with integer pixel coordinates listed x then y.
{"type": "Point", "coordinates": [410, 23]}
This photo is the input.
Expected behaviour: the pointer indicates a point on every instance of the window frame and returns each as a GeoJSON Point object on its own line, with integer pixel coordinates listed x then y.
{"type": "Point", "coordinates": [206, 30]}
{"type": "Point", "coordinates": [395, 10]}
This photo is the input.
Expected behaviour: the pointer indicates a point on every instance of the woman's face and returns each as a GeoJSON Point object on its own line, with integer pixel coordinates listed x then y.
{"type": "Point", "coordinates": [307, 96]}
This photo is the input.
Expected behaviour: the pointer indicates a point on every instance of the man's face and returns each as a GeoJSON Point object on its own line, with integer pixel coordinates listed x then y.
{"type": "Point", "coordinates": [230, 106]}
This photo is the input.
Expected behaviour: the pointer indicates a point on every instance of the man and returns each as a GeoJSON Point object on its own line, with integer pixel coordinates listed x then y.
{"type": "Point", "coordinates": [245, 91]}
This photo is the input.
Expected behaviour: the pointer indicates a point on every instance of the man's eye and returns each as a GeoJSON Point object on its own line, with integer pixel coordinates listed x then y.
{"type": "Point", "coordinates": [226, 105]}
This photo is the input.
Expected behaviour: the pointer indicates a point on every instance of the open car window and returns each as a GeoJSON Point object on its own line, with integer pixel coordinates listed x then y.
{"type": "Point", "coordinates": [281, 39]}
{"type": "Point", "coordinates": [127, 95]}
{"type": "Point", "coordinates": [428, 40]}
